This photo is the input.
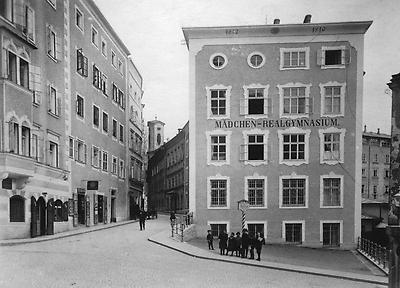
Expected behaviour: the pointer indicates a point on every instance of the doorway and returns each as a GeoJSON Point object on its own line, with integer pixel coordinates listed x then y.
{"type": "Point", "coordinates": [41, 217]}
{"type": "Point", "coordinates": [113, 217]}
{"type": "Point", "coordinates": [81, 209]}
{"type": "Point", "coordinates": [100, 208]}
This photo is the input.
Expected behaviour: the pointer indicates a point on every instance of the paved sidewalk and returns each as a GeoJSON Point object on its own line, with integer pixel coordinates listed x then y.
{"type": "Point", "coordinates": [69, 233]}
{"type": "Point", "coordinates": [192, 249]}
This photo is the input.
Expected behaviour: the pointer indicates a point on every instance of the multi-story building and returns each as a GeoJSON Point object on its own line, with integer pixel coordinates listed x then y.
{"type": "Point", "coordinates": [168, 174]}
{"type": "Point", "coordinates": [137, 150]}
{"type": "Point", "coordinates": [33, 166]}
{"type": "Point", "coordinates": [275, 120]}
{"type": "Point", "coordinates": [63, 123]}
{"type": "Point", "coordinates": [375, 166]}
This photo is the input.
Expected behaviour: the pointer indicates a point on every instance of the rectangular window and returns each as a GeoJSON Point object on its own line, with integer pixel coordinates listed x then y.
{"type": "Point", "coordinates": [23, 73]}
{"type": "Point", "coordinates": [294, 100]}
{"type": "Point", "coordinates": [387, 173]}
{"type": "Point", "coordinates": [114, 128]}
{"type": "Point", "coordinates": [363, 171]}
{"type": "Point", "coordinates": [293, 146]}
{"type": "Point", "coordinates": [256, 101]}
{"type": "Point", "coordinates": [105, 122]}
{"type": "Point", "coordinates": [218, 102]}
{"type": "Point", "coordinates": [52, 43]}
{"type": "Point", "coordinates": [12, 67]}
{"type": "Point", "coordinates": [121, 99]}
{"type": "Point", "coordinates": [121, 169]}
{"type": "Point", "coordinates": [115, 93]}
{"type": "Point", "coordinates": [97, 77]}
{"type": "Point", "coordinates": [81, 63]}
{"type": "Point", "coordinates": [255, 147]}
{"type": "Point", "coordinates": [375, 173]}
{"type": "Point", "coordinates": [255, 228]}
{"type": "Point", "coordinates": [121, 133]}
{"type": "Point", "coordinates": [332, 192]}
{"type": "Point", "coordinates": [293, 232]}
{"type": "Point", "coordinates": [331, 234]}
{"type": "Point", "coordinates": [80, 151]}
{"type": "Point", "coordinates": [120, 67]}
{"type": "Point", "coordinates": [7, 9]}
{"type": "Point", "coordinates": [104, 48]}
{"type": "Point", "coordinates": [26, 141]}
{"type": "Point", "coordinates": [53, 101]}
{"type": "Point", "coordinates": [104, 84]}
{"type": "Point", "coordinates": [387, 159]}
{"type": "Point", "coordinates": [53, 154]}
{"type": "Point", "coordinates": [331, 146]}
{"type": "Point", "coordinates": [114, 165]}
{"type": "Point", "coordinates": [35, 150]}
{"type": "Point", "coordinates": [79, 19]}
{"type": "Point", "coordinates": [96, 116]}
{"type": "Point", "coordinates": [376, 158]}
{"type": "Point", "coordinates": [217, 229]}
{"type": "Point", "coordinates": [105, 161]}
{"type": "Point", "coordinates": [293, 192]}
{"type": "Point", "coordinates": [30, 23]}
{"type": "Point", "coordinates": [333, 99]}
{"type": "Point", "coordinates": [95, 157]}
{"type": "Point", "coordinates": [375, 191]}
{"type": "Point", "coordinates": [256, 192]}
{"type": "Point", "coordinates": [333, 57]}
{"type": "Point", "coordinates": [95, 37]}
{"type": "Point", "coordinates": [294, 59]}
{"type": "Point", "coordinates": [113, 59]}
{"type": "Point", "coordinates": [13, 137]}
{"type": "Point", "coordinates": [218, 148]}
{"type": "Point", "coordinates": [218, 193]}
{"type": "Point", "coordinates": [80, 106]}
{"type": "Point", "coordinates": [364, 159]}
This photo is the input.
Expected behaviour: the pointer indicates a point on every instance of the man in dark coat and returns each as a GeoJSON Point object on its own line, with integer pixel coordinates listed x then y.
{"type": "Point", "coordinates": [245, 243]}
{"type": "Point", "coordinates": [142, 220]}
{"type": "Point", "coordinates": [238, 244]}
{"type": "Point", "coordinates": [252, 244]}
{"type": "Point", "coordinates": [223, 238]}
{"type": "Point", "coordinates": [259, 241]}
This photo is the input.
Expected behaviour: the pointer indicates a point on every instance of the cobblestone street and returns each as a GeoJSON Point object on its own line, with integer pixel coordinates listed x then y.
{"type": "Point", "coordinates": [122, 257]}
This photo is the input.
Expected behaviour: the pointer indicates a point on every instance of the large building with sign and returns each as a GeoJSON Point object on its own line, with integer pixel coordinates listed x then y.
{"type": "Point", "coordinates": [275, 118]}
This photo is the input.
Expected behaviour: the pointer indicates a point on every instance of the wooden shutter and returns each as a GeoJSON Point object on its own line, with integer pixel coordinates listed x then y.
{"type": "Point", "coordinates": [5, 63]}
{"type": "Point", "coordinates": [243, 106]}
{"type": "Point", "coordinates": [76, 152]}
{"type": "Point", "coordinates": [243, 152]}
{"type": "Point", "coordinates": [85, 150]}
{"type": "Point", "coordinates": [19, 14]}
{"type": "Point", "coordinates": [11, 136]}
{"type": "Point", "coordinates": [30, 23]}
{"type": "Point", "coordinates": [50, 217]}
{"type": "Point", "coordinates": [310, 104]}
{"type": "Point", "coordinates": [319, 57]}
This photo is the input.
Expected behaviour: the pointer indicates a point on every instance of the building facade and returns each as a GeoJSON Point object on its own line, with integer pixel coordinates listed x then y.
{"type": "Point", "coordinates": [274, 120]}
{"type": "Point", "coordinates": [137, 150]}
{"type": "Point", "coordinates": [167, 175]}
{"type": "Point", "coordinates": [375, 166]}
{"type": "Point", "coordinates": [63, 124]}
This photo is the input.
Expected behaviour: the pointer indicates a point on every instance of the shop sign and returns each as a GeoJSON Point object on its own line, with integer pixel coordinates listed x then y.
{"type": "Point", "coordinates": [281, 123]}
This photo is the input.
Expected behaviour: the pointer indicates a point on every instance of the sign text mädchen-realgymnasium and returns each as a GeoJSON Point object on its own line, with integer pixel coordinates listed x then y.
{"type": "Point", "coordinates": [281, 123]}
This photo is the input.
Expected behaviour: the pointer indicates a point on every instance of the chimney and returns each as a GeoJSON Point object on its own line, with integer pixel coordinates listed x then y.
{"type": "Point", "coordinates": [379, 131]}
{"type": "Point", "coordinates": [365, 128]}
{"type": "Point", "coordinates": [307, 19]}
{"type": "Point", "coordinates": [277, 21]}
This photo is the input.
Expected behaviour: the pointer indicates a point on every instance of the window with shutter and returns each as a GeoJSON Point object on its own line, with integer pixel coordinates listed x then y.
{"type": "Point", "coordinates": [17, 209]}
{"type": "Point", "coordinates": [30, 23]}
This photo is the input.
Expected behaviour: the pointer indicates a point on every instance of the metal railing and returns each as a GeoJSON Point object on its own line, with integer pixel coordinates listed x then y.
{"type": "Point", "coordinates": [378, 254]}
{"type": "Point", "coordinates": [179, 225]}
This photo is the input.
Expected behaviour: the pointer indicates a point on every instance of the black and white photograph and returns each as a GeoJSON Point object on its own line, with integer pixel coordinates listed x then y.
{"type": "Point", "coordinates": [199, 143]}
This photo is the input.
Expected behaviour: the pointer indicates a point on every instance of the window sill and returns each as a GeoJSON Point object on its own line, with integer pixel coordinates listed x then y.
{"type": "Point", "coordinates": [53, 115]}
{"type": "Point", "coordinates": [339, 66]}
{"type": "Point", "coordinates": [216, 117]}
{"type": "Point", "coordinates": [294, 68]}
{"type": "Point", "coordinates": [294, 116]}
{"type": "Point", "coordinates": [293, 163]}
{"type": "Point", "coordinates": [331, 207]}
{"type": "Point", "coordinates": [218, 207]}
{"type": "Point", "coordinates": [293, 207]}
{"type": "Point", "coordinates": [256, 162]}
{"type": "Point", "coordinates": [258, 207]}
{"type": "Point", "coordinates": [332, 115]}
{"type": "Point", "coordinates": [52, 58]}
{"type": "Point", "coordinates": [218, 164]}
{"type": "Point", "coordinates": [331, 162]}
{"type": "Point", "coordinates": [80, 118]}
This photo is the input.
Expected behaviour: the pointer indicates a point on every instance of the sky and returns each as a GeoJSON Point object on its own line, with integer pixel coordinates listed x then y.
{"type": "Point", "coordinates": [152, 31]}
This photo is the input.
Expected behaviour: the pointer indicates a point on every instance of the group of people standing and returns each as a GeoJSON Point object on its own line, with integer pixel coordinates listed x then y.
{"type": "Point", "coordinates": [240, 244]}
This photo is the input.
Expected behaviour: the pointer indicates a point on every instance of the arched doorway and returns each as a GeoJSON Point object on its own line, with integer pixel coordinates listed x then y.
{"type": "Point", "coordinates": [41, 216]}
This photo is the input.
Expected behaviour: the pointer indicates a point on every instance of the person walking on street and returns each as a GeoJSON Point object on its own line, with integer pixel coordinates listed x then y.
{"type": "Point", "coordinates": [223, 238]}
{"type": "Point", "coordinates": [210, 240]}
{"type": "Point", "coordinates": [238, 240]}
{"type": "Point", "coordinates": [245, 243]}
{"type": "Point", "coordinates": [142, 220]}
{"type": "Point", "coordinates": [259, 241]}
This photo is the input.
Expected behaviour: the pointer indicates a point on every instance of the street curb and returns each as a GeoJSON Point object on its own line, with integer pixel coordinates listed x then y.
{"type": "Point", "coordinates": [272, 267]}
{"type": "Point", "coordinates": [14, 242]}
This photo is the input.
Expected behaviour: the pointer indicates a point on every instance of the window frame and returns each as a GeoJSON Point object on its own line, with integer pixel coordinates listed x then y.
{"type": "Point", "coordinates": [291, 177]}
{"type": "Point", "coordinates": [78, 142]}
{"type": "Point", "coordinates": [102, 122]}
{"type": "Point", "coordinates": [294, 49]}
{"type": "Point", "coordinates": [21, 199]}
{"type": "Point", "coordinates": [121, 173]}
{"type": "Point", "coordinates": [342, 86]}
{"type": "Point", "coordinates": [94, 163]}
{"type": "Point", "coordinates": [331, 175]}
{"type": "Point", "coordinates": [103, 152]}
{"type": "Point", "coordinates": [342, 65]}
{"type": "Point", "coordinates": [331, 130]}
{"type": "Point", "coordinates": [80, 117]}
{"type": "Point", "coordinates": [82, 15]}
{"type": "Point", "coordinates": [308, 105]}
{"type": "Point", "coordinates": [227, 223]}
{"type": "Point", "coordinates": [103, 41]}
{"type": "Point", "coordinates": [53, 3]}
{"type": "Point", "coordinates": [52, 51]}
{"type": "Point", "coordinates": [227, 89]}
{"type": "Point", "coordinates": [246, 190]}
{"type": "Point", "coordinates": [227, 135]}
{"type": "Point", "coordinates": [216, 55]}
{"type": "Point", "coordinates": [97, 127]}
{"type": "Point", "coordinates": [55, 158]}
{"type": "Point", "coordinates": [244, 101]}
{"type": "Point", "coordinates": [303, 229]}
{"type": "Point", "coordinates": [262, 222]}
{"type": "Point", "coordinates": [321, 225]}
{"type": "Point", "coordinates": [121, 141]}
{"type": "Point", "coordinates": [254, 54]}
{"type": "Point", "coordinates": [112, 170]}
{"type": "Point", "coordinates": [92, 36]}
{"type": "Point", "coordinates": [223, 178]}
{"type": "Point", "coordinates": [246, 134]}
{"type": "Point", "coordinates": [294, 130]}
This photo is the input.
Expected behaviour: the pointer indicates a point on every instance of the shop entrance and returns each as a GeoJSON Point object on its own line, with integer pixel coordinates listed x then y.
{"type": "Point", "coordinates": [113, 217]}
{"type": "Point", "coordinates": [101, 208]}
{"type": "Point", "coordinates": [41, 217]}
{"type": "Point", "coordinates": [81, 208]}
